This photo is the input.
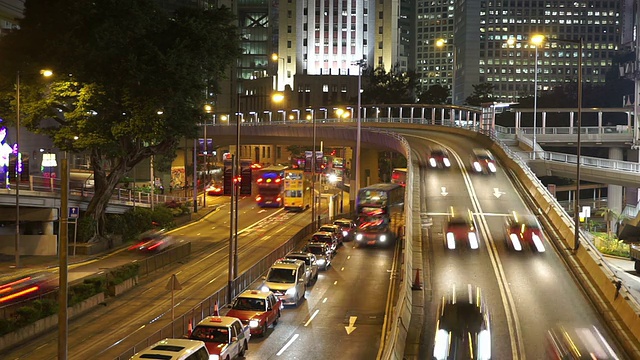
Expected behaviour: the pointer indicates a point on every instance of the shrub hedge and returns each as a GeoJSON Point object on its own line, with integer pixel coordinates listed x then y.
{"type": "Point", "coordinates": [41, 308]}
{"type": "Point", "coordinates": [125, 272]}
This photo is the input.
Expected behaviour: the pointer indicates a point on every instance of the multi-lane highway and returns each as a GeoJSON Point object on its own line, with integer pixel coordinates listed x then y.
{"type": "Point", "coordinates": [527, 293]}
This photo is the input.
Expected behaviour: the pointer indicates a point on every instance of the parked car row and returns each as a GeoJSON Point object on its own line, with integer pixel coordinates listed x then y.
{"type": "Point", "coordinates": [254, 311]}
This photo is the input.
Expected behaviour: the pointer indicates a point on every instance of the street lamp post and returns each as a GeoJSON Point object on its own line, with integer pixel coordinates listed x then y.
{"type": "Point", "coordinates": [313, 169]}
{"type": "Point", "coordinates": [441, 43]}
{"type": "Point", "coordinates": [360, 64]}
{"type": "Point", "coordinates": [536, 40]}
{"type": "Point", "coordinates": [576, 243]}
{"type": "Point", "coordinates": [45, 73]}
{"type": "Point", "coordinates": [275, 57]}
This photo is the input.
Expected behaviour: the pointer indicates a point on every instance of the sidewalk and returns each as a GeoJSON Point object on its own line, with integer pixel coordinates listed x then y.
{"type": "Point", "coordinates": [30, 264]}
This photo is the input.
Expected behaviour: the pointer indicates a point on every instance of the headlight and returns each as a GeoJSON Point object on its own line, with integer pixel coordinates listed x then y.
{"type": "Point", "coordinates": [320, 261]}
{"type": "Point", "coordinates": [214, 357]}
{"type": "Point", "coordinates": [484, 345]}
{"type": "Point", "coordinates": [473, 240]}
{"type": "Point", "coordinates": [441, 345]}
{"type": "Point", "coordinates": [446, 162]}
{"type": "Point", "coordinates": [515, 241]}
{"type": "Point", "coordinates": [359, 237]}
{"type": "Point", "coordinates": [492, 167]}
{"type": "Point", "coordinates": [254, 323]}
{"type": "Point", "coordinates": [264, 288]}
{"type": "Point", "coordinates": [451, 241]}
{"type": "Point", "coordinates": [291, 291]}
{"type": "Point", "coordinates": [537, 241]}
{"type": "Point", "coordinates": [383, 238]}
{"type": "Point", "coordinates": [477, 167]}
{"type": "Point", "coordinates": [345, 233]}
{"type": "Point", "coordinates": [432, 162]}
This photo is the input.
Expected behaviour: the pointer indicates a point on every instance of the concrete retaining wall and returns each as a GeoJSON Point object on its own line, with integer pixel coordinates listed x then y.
{"type": "Point", "coordinates": [43, 325]}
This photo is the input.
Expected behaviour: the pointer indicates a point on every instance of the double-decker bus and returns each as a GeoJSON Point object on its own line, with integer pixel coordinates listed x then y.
{"type": "Point", "coordinates": [297, 190]}
{"type": "Point", "coordinates": [379, 209]}
{"type": "Point", "coordinates": [399, 176]}
{"type": "Point", "coordinates": [270, 184]}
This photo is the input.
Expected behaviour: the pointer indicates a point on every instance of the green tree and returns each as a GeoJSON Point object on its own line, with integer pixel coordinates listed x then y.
{"type": "Point", "coordinates": [436, 94]}
{"type": "Point", "coordinates": [130, 79]}
{"type": "Point", "coordinates": [482, 93]}
{"type": "Point", "coordinates": [393, 87]}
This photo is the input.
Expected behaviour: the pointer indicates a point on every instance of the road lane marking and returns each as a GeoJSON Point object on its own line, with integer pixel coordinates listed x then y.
{"type": "Point", "coordinates": [286, 346]}
{"type": "Point", "coordinates": [335, 282]}
{"type": "Point", "coordinates": [342, 269]}
{"type": "Point", "coordinates": [348, 257]}
{"type": "Point", "coordinates": [352, 321]}
{"type": "Point", "coordinates": [324, 300]}
{"type": "Point", "coordinates": [312, 317]}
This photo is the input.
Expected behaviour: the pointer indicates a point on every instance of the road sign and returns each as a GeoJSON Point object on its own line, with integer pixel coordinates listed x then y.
{"type": "Point", "coordinates": [74, 212]}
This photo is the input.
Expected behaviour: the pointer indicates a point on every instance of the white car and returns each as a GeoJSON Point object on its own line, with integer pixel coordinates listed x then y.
{"type": "Point", "coordinates": [287, 280]}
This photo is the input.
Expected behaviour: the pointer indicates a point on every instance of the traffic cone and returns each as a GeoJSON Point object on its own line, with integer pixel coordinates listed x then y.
{"type": "Point", "coordinates": [417, 284]}
{"type": "Point", "coordinates": [216, 312]}
{"type": "Point", "coordinates": [189, 328]}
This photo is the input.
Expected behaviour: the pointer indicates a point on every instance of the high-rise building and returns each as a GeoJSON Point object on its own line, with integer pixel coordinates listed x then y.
{"type": "Point", "coordinates": [478, 32]}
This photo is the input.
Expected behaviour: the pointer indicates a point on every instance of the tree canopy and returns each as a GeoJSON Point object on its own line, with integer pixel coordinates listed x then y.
{"type": "Point", "coordinates": [436, 94]}
{"type": "Point", "coordinates": [129, 79]}
{"type": "Point", "coordinates": [393, 87]}
{"type": "Point", "coordinates": [482, 92]}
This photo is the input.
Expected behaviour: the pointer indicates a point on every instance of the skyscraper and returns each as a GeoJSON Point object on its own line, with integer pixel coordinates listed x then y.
{"type": "Point", "coordinates": [478, 32]}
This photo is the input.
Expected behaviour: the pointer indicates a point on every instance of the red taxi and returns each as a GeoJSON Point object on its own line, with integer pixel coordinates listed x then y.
{"type": "Point", "coordinates": [258, 309]}
{"type": "Point", "coordinates": [224, 336]}
{"type": "Point", "coordinates": [524, 230]}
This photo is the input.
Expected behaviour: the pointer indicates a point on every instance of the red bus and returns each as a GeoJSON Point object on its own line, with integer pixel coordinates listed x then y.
{"type": "Point", "coordinates": [270, 184]}
{"type": "Point", "coordinates": [399, 176]}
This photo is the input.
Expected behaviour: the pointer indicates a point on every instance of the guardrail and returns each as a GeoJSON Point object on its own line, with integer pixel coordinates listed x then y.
{"type": "Point", "coordinates": [618, 165]}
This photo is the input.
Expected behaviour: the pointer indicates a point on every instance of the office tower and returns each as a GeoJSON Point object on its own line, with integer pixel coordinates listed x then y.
{"type": "Point", "coordinates": [478, 32]}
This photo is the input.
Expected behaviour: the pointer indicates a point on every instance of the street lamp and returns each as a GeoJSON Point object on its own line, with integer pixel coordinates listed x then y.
{"type": "Point", "coordinates": [361, 64]}
{"type": "Point", "coordinates": [45, 73]}
{"type": "Point", "coordinates": [297, 114]}
{"type": "Point", "coordinates": [276, 58]}
{"type": "Point", "coordinates": [313, 169]}
{"type": "Point", "coordinates": [326, 113]}
{"type": "Point", "coordinates": [536, 40]}
{"type": "Point", "coordinates": [268, 112]}
{"type": "Point", "coordinates": [284, 115]}
{"type": "Point", "coordinates": [440, 43]}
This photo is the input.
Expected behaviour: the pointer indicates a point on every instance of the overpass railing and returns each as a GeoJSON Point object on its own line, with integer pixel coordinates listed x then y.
{"type": "Point", "coordinates": [619, 165]}
{"type": "Point", "coordinates": [52, 186]}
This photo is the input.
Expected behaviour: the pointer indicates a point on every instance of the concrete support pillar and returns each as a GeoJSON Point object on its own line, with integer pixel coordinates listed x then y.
{"type": "Point", "coordinates": [369, 167]}
{"type": "Point", "coordinates": [544, 122]}
{"type": "Point", "coordinates": [614, 197]}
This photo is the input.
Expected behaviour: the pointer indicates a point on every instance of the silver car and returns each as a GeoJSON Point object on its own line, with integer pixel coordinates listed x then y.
{"type": "Point", "coordinates": [322, 252]}
{"type": "Point", "coordinates": [310, 260]}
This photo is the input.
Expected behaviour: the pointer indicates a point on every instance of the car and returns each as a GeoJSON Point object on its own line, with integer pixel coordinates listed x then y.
{"type": "Point", "coordinates": [461, 227]}
{"type": "Point", "coordinates": [175, 349]}
{"type": "Point", "coordinates": [576, 342]}
{"type": "Point", "coordinates": [348, 228]}
{"type": "Point", "coordinates": [310, 262]}
{"type": "Point", "coordinates": [337, 231]}
{"type": "Point", "coordinates": [214, 189]}
{"type": "Point", "coordinates": [258, 309]}
{"type": "Point", "coordinates": [463, 326]}
{"type": "Point", "coordinates": [326, 237]}
{"type": "Point", "coordinates": [26, 287]}
{"type": "Point", "coordinates": [482, 161]}
{"type": "Point", "coordinates": [439, 158]}
{"type": "Point", "coordinates": [224, 336]}
{"type": "Point", "coordinates": [524, 230]}
{"type": "Point", "coordinates": [153, 241]}
{"type": "Point", "coordinates": [323, 253]}
{"type": "Point", "coordinates": [286, 278]}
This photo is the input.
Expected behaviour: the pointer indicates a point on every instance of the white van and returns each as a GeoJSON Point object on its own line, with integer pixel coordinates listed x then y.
{"type": "Point", "coordinates": [175, 349]}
